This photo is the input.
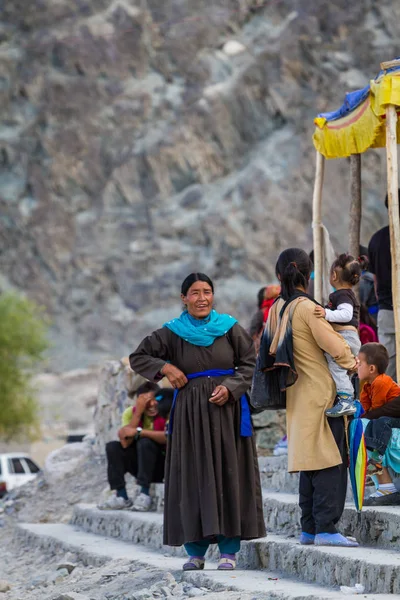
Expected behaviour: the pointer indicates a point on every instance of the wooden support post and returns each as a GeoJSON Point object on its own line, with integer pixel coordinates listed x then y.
{"type": "Point", "coordinates": [394, 219]}
{"type": "Point", "coordinates": [317, 226]}
{"type": "Point", "coordinates": [355, 210]}
{"type": "Point", "coordinates": [355, 206]}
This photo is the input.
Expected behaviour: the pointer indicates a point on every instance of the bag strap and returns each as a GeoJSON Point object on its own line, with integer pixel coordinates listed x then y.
{"type": "Point", "coordinates": [296, 295]}
{"type": "Point", "coordinates": [230, 340]}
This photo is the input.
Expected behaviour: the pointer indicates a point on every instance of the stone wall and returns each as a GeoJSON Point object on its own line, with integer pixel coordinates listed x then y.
{"type": "Point", "coordinates": [270, 426]}
{"type": "Point", "coordinates": [117, 386]}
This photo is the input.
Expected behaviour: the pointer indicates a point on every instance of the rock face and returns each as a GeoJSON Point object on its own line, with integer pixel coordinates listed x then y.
{"type": "Point", "coordinates": [144, 139]}
{"type": "Point", "coordinates": [269, 426]}
{"type": "Point", "coordinates": [66, 460]}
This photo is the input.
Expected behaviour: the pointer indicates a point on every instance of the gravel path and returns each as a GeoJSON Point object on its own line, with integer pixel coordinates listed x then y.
{"type": "Point", "coordinates": [31, 574]}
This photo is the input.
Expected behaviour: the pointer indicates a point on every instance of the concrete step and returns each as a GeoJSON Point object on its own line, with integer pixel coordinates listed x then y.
{"type": "Point", "coordinates": [94, 549]}
{"type": "Point", "coordinates": [275, 478]}
{"type": "Point", "coordinates": [274, 475]}
{"type": "Point", "coordinates": [374, 526]}
{"type": "Point", "coordinates": [377, 569]}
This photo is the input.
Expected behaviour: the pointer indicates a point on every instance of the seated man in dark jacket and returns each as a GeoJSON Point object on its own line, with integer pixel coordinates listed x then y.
{"type": "Point", "coordinates": [140, 450]}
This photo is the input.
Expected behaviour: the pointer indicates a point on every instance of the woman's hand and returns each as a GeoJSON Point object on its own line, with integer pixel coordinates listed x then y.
{"type": "Point", "coordinates": [319, 311]}
{"type": "Point", "coordinates": [220, 395]}
{"type": "Point", "coordinates": [355, 368]}
{"type": "Point", "coordinates": [174, 375]}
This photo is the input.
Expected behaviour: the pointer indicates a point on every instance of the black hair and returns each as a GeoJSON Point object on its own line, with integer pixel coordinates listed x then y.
{"type": "Point", "coordinates": [147, 387]}
{"type": "Point", "coordinates": [377, 355]}
{"type": "Point", "coordinates": [311, 256]}
{"type": "Point", "coordinates": [165, 398]}
{"type": "Point", "coordinates": [293, 269]}
{"type": "Point", "coordinates": [260, 296]}
{"type": "Point", "coordinates": [348, 268]}
{"type": "Point", "coordinates": [363, 257]}
{"type": "Point", "coordinates": [192, 278]}
{"type": "Point", "coordinates": [387, 199]}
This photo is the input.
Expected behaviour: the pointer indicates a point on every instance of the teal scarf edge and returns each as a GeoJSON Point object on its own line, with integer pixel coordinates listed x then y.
{"type": "Point", "coordinates": [201, 332]}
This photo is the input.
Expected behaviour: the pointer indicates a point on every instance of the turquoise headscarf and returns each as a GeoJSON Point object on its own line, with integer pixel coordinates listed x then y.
{"type": "Point", "coordinates": [201, 332]}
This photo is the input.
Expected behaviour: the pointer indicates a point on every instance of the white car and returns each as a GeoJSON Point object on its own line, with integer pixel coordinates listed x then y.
{"type": "Point", "coordinates": [16, 469]}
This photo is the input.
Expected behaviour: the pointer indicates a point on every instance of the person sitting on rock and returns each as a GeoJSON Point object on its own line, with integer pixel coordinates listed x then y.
{"type": "Point", "coordinates": [140, 451]}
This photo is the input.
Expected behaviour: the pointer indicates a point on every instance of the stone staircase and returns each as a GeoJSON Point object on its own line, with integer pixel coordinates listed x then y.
{"type": "Point", "coordinates": [275, 567]}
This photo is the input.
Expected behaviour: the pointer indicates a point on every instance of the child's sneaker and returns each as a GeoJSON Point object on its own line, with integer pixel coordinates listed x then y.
{"type": "Point", "coordinates": [345, 407]}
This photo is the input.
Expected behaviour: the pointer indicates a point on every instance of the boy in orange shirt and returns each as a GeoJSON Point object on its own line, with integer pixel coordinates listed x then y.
{"type": "Point", "coordinates": [379, 389]}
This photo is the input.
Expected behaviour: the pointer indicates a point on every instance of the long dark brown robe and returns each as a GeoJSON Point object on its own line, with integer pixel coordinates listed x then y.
{"type": "Point", "coordinates": [212, 482]}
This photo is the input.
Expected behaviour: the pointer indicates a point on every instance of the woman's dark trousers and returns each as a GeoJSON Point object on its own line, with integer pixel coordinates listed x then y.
{"type": "Point", "coordinates": [323, 493]}
{"type": "Point", "coordinates": [144, 459]}
{"type": "Point", "coordinates": [378, 433]}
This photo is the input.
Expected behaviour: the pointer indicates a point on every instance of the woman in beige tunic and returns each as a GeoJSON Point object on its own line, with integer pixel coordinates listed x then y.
{"type": "Point", "coordinates": [316, 444]}
{"type": "Point", "coordinates": [212, 483]}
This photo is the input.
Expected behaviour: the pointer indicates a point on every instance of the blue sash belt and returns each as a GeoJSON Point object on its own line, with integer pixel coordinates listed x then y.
{"type": "Point", "coordinates": [246, 429]}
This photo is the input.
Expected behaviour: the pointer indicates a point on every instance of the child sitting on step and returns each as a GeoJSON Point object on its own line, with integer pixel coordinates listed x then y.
{"type": "Point", "coordinates": [343, 312]}
{"type": "Point", "coordinates": [379, 389]}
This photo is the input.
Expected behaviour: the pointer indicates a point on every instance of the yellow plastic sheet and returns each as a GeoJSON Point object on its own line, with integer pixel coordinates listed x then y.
{"type": "Point", "coordinates": [362, 128]}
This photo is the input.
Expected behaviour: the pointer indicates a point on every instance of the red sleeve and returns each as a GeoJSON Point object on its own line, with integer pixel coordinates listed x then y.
{"type": "Point", "coordinates": [365, 398]}
{"type": "Point", "coordinates": [379, 390]}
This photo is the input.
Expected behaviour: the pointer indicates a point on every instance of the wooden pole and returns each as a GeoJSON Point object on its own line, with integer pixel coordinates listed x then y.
{"type": "Point", "coordinates": [355, 207]}
{"type": "Point", "coordinates": [394, 219]}
{"type": "Point", "coordinates": [317, 225]}
{"type": "Point", "coordinates": [355, 210]}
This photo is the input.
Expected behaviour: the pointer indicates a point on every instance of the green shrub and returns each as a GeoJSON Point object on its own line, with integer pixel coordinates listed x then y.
{"type": "Point", "coordinates": [23, 341]}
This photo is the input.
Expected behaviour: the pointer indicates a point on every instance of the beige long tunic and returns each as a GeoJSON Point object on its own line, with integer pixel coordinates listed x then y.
{"type": "Point", "coordinates": [311, 445]}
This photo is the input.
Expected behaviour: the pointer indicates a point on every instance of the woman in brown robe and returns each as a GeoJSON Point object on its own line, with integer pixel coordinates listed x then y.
{"type": "Point", "coordinates": [212, 483]}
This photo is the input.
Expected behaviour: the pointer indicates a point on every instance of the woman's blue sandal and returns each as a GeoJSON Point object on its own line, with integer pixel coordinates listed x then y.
{"type": "Point", "coordinates": [227, 563]}
{"type": "Point", "coordinates": [195, 563]}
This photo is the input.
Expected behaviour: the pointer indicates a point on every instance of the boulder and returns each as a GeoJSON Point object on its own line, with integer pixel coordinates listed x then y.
{"type": "Point", "coordinates": [63, 462]}
{"type": "Point", "coordinates": [4, 586]}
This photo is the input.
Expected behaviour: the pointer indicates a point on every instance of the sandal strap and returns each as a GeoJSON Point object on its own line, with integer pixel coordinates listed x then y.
{"type": "Point", "coordinates": [198, 563]}
{"type": "Point", "coordinates": [228, 561]}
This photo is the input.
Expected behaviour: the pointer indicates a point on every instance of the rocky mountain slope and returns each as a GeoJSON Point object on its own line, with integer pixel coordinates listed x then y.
{"type": "Point", "coordinates": [144, 139]}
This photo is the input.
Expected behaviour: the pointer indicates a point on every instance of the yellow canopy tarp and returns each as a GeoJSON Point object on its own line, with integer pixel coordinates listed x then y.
{"type": "Point", "coordinates": [353, 131]}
